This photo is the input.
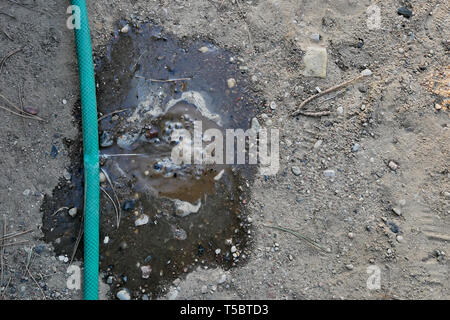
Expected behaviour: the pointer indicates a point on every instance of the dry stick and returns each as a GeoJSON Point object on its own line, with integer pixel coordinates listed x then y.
{"type": "Point", "coordinates": [13, 243]}
{"type": "Point", "coordinates": [293, 232]}
{"type": "Point", "coordinates": [13, 235]}
{"type": "Point", "coordinates": [19, 110]}
{"type": "Point", "coordinates": [7, 285]}
{"type": "Point", "coordinates": [3, 249]}
{"type": "Point", "coordinates": [135, 65]}
{"type": "Point", "coordinates": [60, 209]}
{"type": "Point", "coordinates": [8, 15]}
{"type": "Point", "coordinates": [111, 199]}
{"type": "Point", "coordinates": [7, 35]}
{"type": "Point", "coordinates": [7, 57]}
{"type": "Point", "coordinates": [80, 234]}
{"type": "Point", "coordinates": [21, 115]}
{"type": "Point", "coordinates": [314, 114]}
{"type": "Point", "coordinates": [115, 194]}
{"type": "Point", "coordinates": [22, 108]}
{"type": "Point", "coordinates": [320, 94]}
{"type": "Point", "coordinates": [168, 80]}
{"type": "Point", "coordinates": [110, 114]}
{"type": "Point", "coordinates": [37, 284]}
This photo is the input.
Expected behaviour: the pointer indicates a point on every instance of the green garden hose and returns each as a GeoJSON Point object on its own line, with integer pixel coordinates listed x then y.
{"type": "Point", "coordinates": [91, 153]}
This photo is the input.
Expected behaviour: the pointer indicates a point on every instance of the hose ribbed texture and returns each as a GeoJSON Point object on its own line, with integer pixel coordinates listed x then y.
{"type": "Point", "coordinates": [91, 154]}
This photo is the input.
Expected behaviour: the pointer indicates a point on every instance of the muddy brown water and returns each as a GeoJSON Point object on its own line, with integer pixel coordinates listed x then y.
{"type": "Point", "coordinates": [140, 116]}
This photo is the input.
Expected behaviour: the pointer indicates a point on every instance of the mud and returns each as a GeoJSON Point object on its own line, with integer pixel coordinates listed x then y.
{"type": "Point", "coordinates": [170, 217]}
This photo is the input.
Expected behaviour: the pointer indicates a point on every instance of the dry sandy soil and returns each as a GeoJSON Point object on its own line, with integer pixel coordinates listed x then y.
{"type": "Point", "coordinates": [398, 119]}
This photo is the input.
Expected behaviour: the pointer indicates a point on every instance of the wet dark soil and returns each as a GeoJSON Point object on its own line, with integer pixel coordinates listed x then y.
{"type": "Point", "coordinates": [141, 103]}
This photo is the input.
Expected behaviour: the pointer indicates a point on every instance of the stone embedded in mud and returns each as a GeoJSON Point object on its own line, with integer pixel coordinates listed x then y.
{"type": "Point", "coordinates": [123, 294]}
{"type": "Point", "coordinates": [106, 140]}
{"type": "Point", "coordinates": [146, 271]}
{"type": "Point", "coordinates": [184, 208]}
{"type": "Point", "coordinates": [315, 60]}
{"type": "Point", "coordinates": [127, 140]}
{"type": "Point", "coordinates": [142, 220]}
{"type": "Point", "coordinates": [128, 205]}
{"type": "Point", "coordinates": [231, 83]}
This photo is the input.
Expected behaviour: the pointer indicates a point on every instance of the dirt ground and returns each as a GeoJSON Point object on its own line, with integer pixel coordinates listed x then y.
{"type": "Point", "coordinates": [387, 139]}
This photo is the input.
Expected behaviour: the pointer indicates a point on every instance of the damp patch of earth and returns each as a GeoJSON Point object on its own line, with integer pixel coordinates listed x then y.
{"type": "Point", "coordinates": [159, 219]}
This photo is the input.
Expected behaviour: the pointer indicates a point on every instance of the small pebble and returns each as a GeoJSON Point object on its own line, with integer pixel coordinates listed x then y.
{"type": "Point", "coordinates": [123, 294]}
{"type": "Point", "coordinates": [73, 212]}
{"type": "Point", "coordinates": [296, 170]}
{"type": "Point", "coordinates": [231, 83]}
{"type": "Point", "coordinates": [393, 165]}
{"type": "Point", "coordinates": [125, 29]}
{"type": "Point", "coordinates": [366, 73]}
{"type": "Point", "coordinates": [142, 220]}
{"type": "Point", "coordinates": [404, 11]}
{"type": "Point", "coordinates": [203, 49]}
{"type": "Point", "coordinates": [349, 266]}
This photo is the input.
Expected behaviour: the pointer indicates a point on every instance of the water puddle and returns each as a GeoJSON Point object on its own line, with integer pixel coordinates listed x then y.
{"type": "Point", "coordinates": [173, 216]}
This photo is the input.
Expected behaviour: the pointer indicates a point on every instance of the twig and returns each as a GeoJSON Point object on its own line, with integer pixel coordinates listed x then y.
{"type": "Point", "coordinates": [119, 215]}
{"type": "Point", "coordinates": [3, 249]}
{"type": "Point", "coordinates": [7, 285]}
{"type": "Point", "coordinates": [132, 70]}
{"type": "Point", "coordinates": [21, 115]}
{"type": "Point", "coordinates": [60, 209]}
{"type": "Point", "coordinates": [8, 15]}
{"type": "Point", "coordinates": [110, 114]}
{"type": "Point", "coordinates": [37, 284]}
{"type": "Point", "coordinates": [13, 243]}
{"type": "Point", "coordinates": [80, 234]}
{"type": "Point", "coordinates": [168, 80]}
{"type": "Point", "coordinates": [7, 57]}
{"type": "Point", "coordinates": [314, 114]}
{"type": "Point", "coordinates": [123, 155]}
{"type": "Point", "coordinates": [320, 94]}
{"type": "Point", "coordinates": [112, 201]}
{"type": "Point", "coordinates": [7, 35]}
{"type": "Point", "coordinates": [293, 232]}
{"type": "Point", "coordinates": [19, 110]}
{"type": "Point", "coordinates": [13, 235]}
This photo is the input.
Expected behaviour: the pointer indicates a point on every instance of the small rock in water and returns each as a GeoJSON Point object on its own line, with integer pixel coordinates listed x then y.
{"type": "Point", "coordinates": [142, 220]}
{"type": "Point", "coordinates": [355, 147]}
{"type": "Point", "coordinates": [125, 29]}
{"type": "Point", "coordinates": [106, 139]}
{"type": "Point", "coordinates": [404, 11]}
{"type": "Point", "coordinates": [67, 175]}
{"type": "Point", "coordinates": [102, 177]}
{"type": "Point", "coordinates": [128, 205]}
{"type": "Point", "coordinates": [146, 271]}
{"type": "Point", "coordinates": [73, 212]}
{"type": "Point", "coordinates": [296, 170]}
{"type": "Point", "coordinates": [123, 294]}
{"type": "Point", "coordinates": [231, 83]}
{"type": "Point", "coordinates": [203, 49]}
{"type": "Point", "coordinates": [394, 228]}
{"type": "Point", "coordinates": [54, 152]}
